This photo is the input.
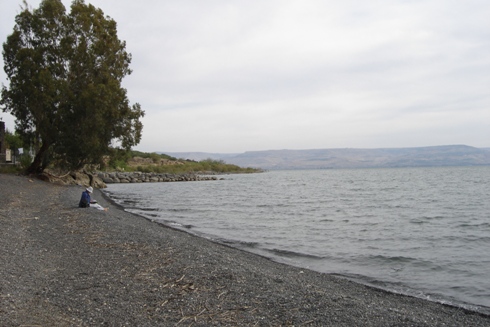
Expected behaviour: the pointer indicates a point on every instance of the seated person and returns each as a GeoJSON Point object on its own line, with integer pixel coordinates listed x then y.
{"type": "Point", "coordinates": [86, 201]}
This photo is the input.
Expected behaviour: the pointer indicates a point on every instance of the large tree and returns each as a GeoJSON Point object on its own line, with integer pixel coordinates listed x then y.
{"type": "Point", "coordinates": [65, 72]}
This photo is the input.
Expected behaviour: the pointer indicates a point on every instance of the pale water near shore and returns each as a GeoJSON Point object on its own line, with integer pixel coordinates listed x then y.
{"type": "Point", "coordinates": [418, 231]}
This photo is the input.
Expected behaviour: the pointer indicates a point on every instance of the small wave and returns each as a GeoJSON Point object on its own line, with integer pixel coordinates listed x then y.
{"type": "Point", "coordinates": [171, 223]}
{"type": "Point", "coordinates": [417, 221]}
{"type": "Point", "coordinates": [433, 217]}
{"type": "Point", "coordinates": [128, 201]}
{"type": "Point", "coordinates": [148, 209]}
{"type": "Point", "coordinates": [367, 224]}
{"type": "Point", "coordinates": [292, 254]}
{"type": "Point", "coordinates": [391, 259]}
{"type": "Point", "coordinates": [238, 243]}
{"type": "Point", "coordinates": [479, 226]}
{"type": "Point", "coordinates": [179, 210]}
{"type": "Point", "coordinates": [480, 239]}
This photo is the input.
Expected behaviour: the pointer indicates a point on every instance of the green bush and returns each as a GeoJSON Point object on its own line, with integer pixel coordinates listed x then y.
{"type": "Point", "coordinates": [119, 165]}
{"type": "Point", "coordinates": [25, 160]}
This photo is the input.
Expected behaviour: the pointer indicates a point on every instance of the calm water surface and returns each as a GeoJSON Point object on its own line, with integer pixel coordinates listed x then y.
{"type": "Point", "coordinates": [418, 231]}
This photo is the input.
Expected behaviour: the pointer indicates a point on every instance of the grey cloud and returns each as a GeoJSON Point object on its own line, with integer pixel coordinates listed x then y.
{"type": "Point", "coordinates": [223, 76]}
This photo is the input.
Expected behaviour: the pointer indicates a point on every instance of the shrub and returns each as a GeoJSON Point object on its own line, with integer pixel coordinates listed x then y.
{"type": "Point", "coordinates": [25, 160]}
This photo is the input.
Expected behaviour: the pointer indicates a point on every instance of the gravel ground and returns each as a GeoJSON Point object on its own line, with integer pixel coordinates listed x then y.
{"type": "Point", "coordinates": [65, 266]}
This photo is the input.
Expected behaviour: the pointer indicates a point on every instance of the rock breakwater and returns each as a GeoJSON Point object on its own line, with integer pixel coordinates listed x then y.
{"type": "Point", "coordinates": [139, 177]}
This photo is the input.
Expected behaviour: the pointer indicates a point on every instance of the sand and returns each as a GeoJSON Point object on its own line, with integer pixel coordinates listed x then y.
{"type": "Point", "coordinates": [66, 266]}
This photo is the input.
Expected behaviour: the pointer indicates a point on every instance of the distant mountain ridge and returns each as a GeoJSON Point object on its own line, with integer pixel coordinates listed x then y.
{"type": "Point", "coordinates": [445, 155]}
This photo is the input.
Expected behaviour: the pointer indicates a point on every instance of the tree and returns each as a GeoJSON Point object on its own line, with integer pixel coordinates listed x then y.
{"type": "Point", "coordinates": [65, 73]}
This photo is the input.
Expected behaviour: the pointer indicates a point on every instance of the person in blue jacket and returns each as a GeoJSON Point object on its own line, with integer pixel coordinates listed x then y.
{"type": "Point", "coordinates": [85, 200]}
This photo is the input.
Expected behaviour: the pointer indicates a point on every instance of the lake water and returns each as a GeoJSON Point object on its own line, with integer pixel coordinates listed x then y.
{"type": "Point", "coordinates": [418, 231]}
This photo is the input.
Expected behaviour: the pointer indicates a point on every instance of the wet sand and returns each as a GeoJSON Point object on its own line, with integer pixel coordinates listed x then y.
{"type": "Point", "coordinates": [65, 266]}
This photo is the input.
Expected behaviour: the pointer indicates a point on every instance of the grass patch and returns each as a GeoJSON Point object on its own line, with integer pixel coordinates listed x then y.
{"type": "Point", "coordinates": [10, 169]}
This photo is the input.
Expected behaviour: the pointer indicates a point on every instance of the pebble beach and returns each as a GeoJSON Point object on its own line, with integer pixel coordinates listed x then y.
{"type": "Point", "coordinates": [61, 265]}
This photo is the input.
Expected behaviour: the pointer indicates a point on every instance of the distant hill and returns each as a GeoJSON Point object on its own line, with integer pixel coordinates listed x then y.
{"type": "Point", "coordinates": [447, 155]}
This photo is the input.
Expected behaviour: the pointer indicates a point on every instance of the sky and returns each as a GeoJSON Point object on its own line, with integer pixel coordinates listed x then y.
{"type": "Point", "coordinates": [239, 75]}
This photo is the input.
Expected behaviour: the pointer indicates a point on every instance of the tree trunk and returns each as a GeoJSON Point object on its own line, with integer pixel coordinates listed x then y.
{"type": "Point", "coordinates": [36, 166]}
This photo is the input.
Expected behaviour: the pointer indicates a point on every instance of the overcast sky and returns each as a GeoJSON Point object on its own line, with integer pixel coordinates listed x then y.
{"type": "Point", "coordinates": [244, 75]}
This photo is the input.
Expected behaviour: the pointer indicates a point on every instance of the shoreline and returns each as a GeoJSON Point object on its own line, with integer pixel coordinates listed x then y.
{"type": "Point", "coordinates": [362, 280]}
{"type": "Point", "coordinates": [66, 266]}
{"type": "Point", "coordinates": [173, 212]}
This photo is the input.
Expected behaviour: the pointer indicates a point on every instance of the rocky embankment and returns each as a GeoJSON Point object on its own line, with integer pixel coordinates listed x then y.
{"type": "Point", "coordinates": [139, 177]}
{"type": "Point", "coordinates": [101, 179]}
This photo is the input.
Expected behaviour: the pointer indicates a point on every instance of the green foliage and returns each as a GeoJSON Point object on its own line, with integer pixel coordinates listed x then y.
{"type": "Point", "coordinates": [180, 166]}
{"type": "Point", "coordinates": [25, 161]}
{"type": "Point", "coordinates": [155, 156]}
{"type": "Point", "coordinates": [119, 165]}
{"type": "Point", "coordinates": [65, 72]}
{"type": "Point", "coordinates": [13, 140]}
{"type": "Point", "coordinates": [118, 159]}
